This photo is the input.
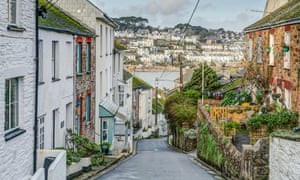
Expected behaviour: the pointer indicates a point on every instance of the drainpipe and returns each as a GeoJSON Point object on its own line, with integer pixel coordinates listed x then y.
{"type": "Point", "coordinates": [36, 85]}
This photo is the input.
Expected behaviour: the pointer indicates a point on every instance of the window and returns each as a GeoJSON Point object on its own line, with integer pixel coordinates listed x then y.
{"type": "Point", "coordinates": [79, 58]}
{"type": "Point", "coordinates": [249, 49]}
{"type": "Point", "coordinates": [11, 103]}
{"type": "Point", "coordinates": [12, 11]}
{"type": "Point", "coordinates": [286, 54]}
{"type": "Point", "coordinates": [271, 55]}
{"type": "Point", "coordinates": [259, 53]}
{"type": "Point", "coordinates": [55, 66]}
{"type": "Point", "coordinates": [121, 95]}
{"type": "Point", "coordinates": [287, 98]}
{"type": "Point", "coordinates": [106, 42]}
{"type": "Point", "coordinates": [41, 132]}
{"type": "Point", "coordinates": [104, 130]}
{"type": "Point", "coordinates": [88, 57]}
{"type": "Point", "coordinates": [55, 124]}
{"type": "Point", "coordinates": [101, 40]}
{"type": "Point", "coordinates": [40, 60]}
{"type": "Point", "coordinates": [88, 108]}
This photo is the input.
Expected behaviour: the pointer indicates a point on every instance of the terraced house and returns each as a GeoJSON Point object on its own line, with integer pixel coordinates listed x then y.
{"type": "Point", "coordinates": [17, 88]}
{"type": "Point", "coordinates": [66, 75]}
{"type": "Point", "coordinates": [273, 55]}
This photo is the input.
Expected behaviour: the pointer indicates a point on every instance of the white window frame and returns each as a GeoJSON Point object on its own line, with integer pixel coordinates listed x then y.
{"type": "Point", "coordinates": [105, 130]}
{"type": "Point", "coordinates": [121, 95]}
{"type": "Point", "coordinates": [55, 60]}
{"type": "Point", "coordinates": [41, 132]}
{"type": "Point", "coordinates": [286, 55]}
{"type": "Point", "coordinates": [41, 62]}
{"type": "Point", "coordinates": [18, 105]}
{"type": "Point", "coordinates": [11, 20]}
{"type": "Point", "coordinates": [287, 98]}
{"type": "Point", "coordinates": [272, 53]}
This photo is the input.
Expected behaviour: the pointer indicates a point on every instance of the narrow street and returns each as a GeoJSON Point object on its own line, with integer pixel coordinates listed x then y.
{"type": "Point", "coordinates": [155, 160]}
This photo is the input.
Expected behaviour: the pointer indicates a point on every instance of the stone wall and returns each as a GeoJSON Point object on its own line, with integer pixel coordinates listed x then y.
{"type": "Point", "coordinates": [85, 85]}
{"type": "Point", "coordinates": [232, 165]}
{"type": "Point", "coordinates": [184, 140]}
{"type": "Point", "coordinates": [284, 158]}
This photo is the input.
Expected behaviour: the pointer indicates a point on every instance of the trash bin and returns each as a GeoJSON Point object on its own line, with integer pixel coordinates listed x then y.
{"type": "Point", "coordinates": [48, 161]}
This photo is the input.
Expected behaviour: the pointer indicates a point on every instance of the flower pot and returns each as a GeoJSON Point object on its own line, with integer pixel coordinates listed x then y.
{"type": "Point", "coordinates": [285, 49]}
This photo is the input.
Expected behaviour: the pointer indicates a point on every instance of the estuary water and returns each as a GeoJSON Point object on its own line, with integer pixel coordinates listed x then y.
{"type": "Point", "coordinates": [166, 79]}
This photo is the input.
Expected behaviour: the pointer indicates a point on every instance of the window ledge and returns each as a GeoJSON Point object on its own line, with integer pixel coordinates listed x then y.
{"type": "Point", "coordinates": [14, 133]}
{"type": "Point", "coordinates": [272, 65]}
{"type": "Point", "coordinates": [15, 28]}
{"type": "Point", "coordinates": [41, 82]}
{"type": "Point", "coordinates": [69, 77]}
{"type": "Point", "coordinates": [55, 79]}
{"type": "Point", "coordinates": [88, 72]}
{"type": "Point", "coordinates": [79, 74]}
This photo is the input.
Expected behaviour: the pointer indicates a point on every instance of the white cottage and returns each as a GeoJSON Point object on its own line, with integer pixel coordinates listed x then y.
{"type": "Point", "coordinates": [17, 88]}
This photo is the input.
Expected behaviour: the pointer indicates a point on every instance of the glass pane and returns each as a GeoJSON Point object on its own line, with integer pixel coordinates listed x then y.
{"type": "Point", "coordinates": [104, 124]}
{"type": "Point", "coordinates": [6, 124]}
{"type": "Point", "coordinates": [14, 90]}
{"type": "Point", "coordinates": [6, 92]}
{"type": "Point", "coordinates": [14, 115]}
{"type": "Point", "coordinates": [13, 11]}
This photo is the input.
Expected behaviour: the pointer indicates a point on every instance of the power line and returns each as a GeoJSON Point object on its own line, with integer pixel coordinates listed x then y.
{"type": "Point", "coordinates": [190, 19]}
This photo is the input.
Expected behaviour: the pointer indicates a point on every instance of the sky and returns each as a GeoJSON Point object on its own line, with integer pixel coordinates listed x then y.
{"type": "Point", "coordinates": [232, 15]}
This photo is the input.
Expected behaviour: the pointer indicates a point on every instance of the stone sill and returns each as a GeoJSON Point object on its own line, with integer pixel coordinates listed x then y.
{"type": "Point", "coordinates": [69, 77]}
{"type": "Point", "coordinates": [14, 133]}
{"type": "Point", "coordinates": [55, 79]}
{"type": "Point", "coordinates": [41, 82]}
{"type": "Point", "coordinates": [15, 28]}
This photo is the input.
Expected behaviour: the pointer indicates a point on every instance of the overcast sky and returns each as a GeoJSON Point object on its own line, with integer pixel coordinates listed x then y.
{"type": "Point", "coordinates": [229, 14]}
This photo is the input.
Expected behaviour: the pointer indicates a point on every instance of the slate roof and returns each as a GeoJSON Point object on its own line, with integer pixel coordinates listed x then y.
{"type": "Point", "coordinates": [58, 20]}
{"type": "Point", "coordinates": [287, 14]}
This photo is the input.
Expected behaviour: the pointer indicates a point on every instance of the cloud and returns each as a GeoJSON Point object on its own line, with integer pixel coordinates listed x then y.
{"type": "Point", "coordinates": [165, 7]}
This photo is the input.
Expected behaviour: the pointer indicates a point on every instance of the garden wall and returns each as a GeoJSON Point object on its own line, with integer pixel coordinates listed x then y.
{"type": "Point", "coordinates": [251, 164]}
{"type": "Point", "coordinates": [184, 140]}
{"type": "Point", "coordinates": [284, 158]}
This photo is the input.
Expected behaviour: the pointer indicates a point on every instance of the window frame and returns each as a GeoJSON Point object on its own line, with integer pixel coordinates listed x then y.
{"type": "Point", "coordinates": [272, 53]}
{"type": "Point", "coordinates": [10, 127]}
{"type": "Point", "coordinates": [259, 49]}
{"type": "Point", "coordinates": [287, 55]}
{"type": "Point", "coordinates": [88, 57]}
{"type": "Point", "coordinates": [41, 135]}
{"type": "Point", "coordinates": [15, 20]}
{"type": "Point", "coordinates": [41, 73]}
{"type": "Point", "coordinates": [88, 108]}
{"type": "Point", "coordinates": [250, 44]}
{"type": "Point", "coordinates": [55, 60]}
{"type": "Point", "coordinates": [79, 58]}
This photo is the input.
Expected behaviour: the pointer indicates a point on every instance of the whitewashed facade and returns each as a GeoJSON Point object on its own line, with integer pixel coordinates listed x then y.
{"type": "Point", "coordinates": [17, 88]}
{"type": "Point", "coordinates": [56, 87]}
{"type": "Point", "coordinates": [87, 12]}
{"type": "Point", "coordinates": [145, 108]}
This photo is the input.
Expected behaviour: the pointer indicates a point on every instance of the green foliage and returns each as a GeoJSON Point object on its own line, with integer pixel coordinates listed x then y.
{"type": "Point", "coordinates": [119, 45]}
{"type": "Point", "coordinates": [230, 125]}
{"type": "Point", "coordinates": [231, 98]}
{"type": "Point", "coordinates": [207, 147]}
{"type": "Point", "coordinates": [194, 95]}
{"type": "Point", "coordinates": [160, 106]}
{"type": "Point", "coordinates": [211, 82]}
{"type": "Point", "coordinates": [98, 159]}
{"type": "Point", "coordinates": [83, 147]}
{"type": "Point", "coordinates": [282, 119]}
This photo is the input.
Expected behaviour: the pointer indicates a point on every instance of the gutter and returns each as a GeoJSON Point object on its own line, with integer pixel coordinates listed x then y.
{"type": "Point", "coordinates": [66, 31]}
{"type": "Point", "coordinates": [284, 23]}
{"type": "Point", "coordinates": [36, 85]}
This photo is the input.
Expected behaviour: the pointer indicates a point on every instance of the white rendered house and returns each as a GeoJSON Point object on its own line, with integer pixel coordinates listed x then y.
{"type": "Point", "coordinates": [17, 88]}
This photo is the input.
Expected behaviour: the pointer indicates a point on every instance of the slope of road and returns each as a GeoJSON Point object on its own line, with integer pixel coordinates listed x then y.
{"type": "Point", "coordinates": [156, 161]}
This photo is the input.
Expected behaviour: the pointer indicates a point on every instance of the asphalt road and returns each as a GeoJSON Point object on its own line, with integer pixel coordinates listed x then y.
{"type": "Point", "coordinates": [156, 161]}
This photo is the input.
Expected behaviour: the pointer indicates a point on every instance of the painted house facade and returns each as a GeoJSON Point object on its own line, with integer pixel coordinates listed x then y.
{"type": "Point", "coordinates": [58, 46]}
{"type": "Point", "coordinates": [96, 19]}
{"type": "Point", "coordinates": [272, 52]}
{"type": "Point", "coordinates": [17, 88]}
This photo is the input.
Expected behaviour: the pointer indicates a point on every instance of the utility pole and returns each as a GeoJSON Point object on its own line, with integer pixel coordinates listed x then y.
{"type": "Point", "coordinates": [156, 99]}
{"type": "Point", "coordinates": [202, 81]}
{"type": "Point", "coordinates": [181, 76]}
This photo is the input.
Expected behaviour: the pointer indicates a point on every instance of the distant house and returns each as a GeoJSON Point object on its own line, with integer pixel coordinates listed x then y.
{"type": "Point", "coordinates": [272, 52]}
{"type": "Point", "coordinates": [17, 89]}
{"type": "Point", "coordinates": [66, 69]}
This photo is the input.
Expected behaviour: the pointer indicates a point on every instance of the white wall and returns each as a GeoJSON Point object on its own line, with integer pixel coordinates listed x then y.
{"type": "Point", "coordinates": [91, 16]}
{"type": "Point", "coordinates": [145, 108]}
{"type": "Point", "coordinates": [56, 94]}
{"type": "Point", "coordinates": [17, 52]}
{"type": "Point", "coordinates": [284, 159]}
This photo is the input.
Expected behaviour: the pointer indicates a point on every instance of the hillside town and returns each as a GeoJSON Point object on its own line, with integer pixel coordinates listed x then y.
{"type": "Point", "coordinates": [84, 95]}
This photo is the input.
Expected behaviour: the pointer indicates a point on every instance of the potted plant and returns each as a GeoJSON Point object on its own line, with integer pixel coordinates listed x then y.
{"type": "Point", "coordinates": [105, 147]}
{"type": "Point", "coordinates": [268, 49]}
{"type": "Point", "coordinates": [285, 48]}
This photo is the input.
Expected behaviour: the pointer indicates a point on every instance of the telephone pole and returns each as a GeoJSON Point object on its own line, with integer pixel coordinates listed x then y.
{"type": "Point", "coordinates": [181, 75]}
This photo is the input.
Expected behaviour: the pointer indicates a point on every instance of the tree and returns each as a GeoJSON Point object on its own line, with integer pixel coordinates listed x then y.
{"type": "Point", "coordinates": [210, 79]}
